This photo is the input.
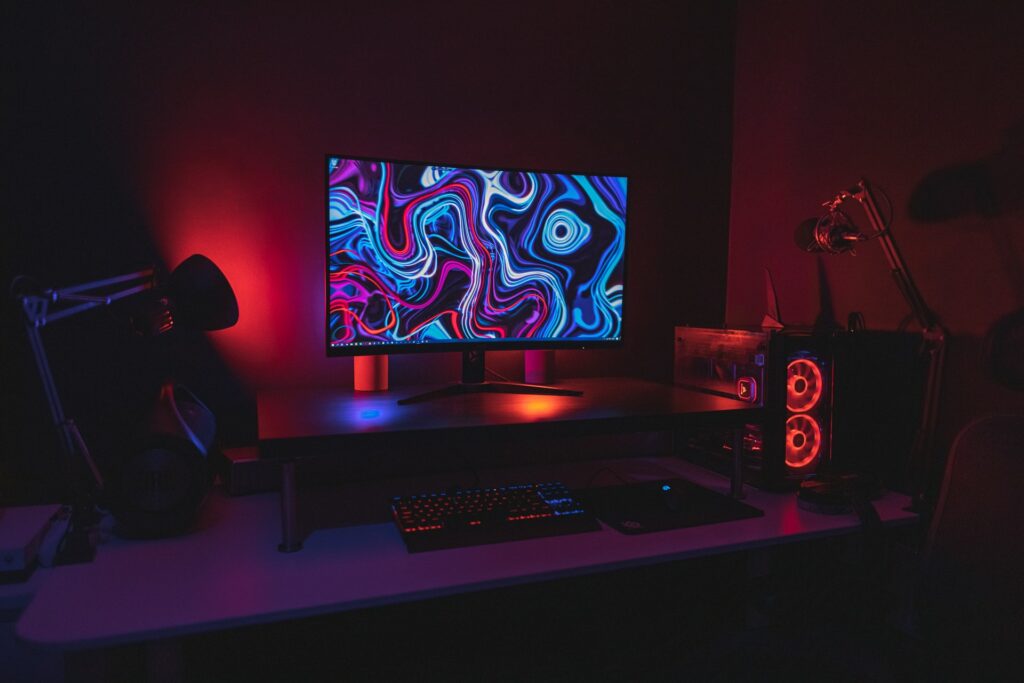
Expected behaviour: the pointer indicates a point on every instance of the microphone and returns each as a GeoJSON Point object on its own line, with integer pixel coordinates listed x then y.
{"type": "Point", "coordinates": [833, 233]}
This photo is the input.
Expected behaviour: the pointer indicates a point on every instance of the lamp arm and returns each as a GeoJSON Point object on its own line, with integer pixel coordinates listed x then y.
{"type": "Point", "coordinates": [37, 312]}
{"type": "Point", "coordinates": [144, 274]}
{"type": "Point", "coordinates": [37, 307]}
{"type": "Point", "coordinates": [89, 302]}
{"type": "Point", "coordinates": [71, 441]}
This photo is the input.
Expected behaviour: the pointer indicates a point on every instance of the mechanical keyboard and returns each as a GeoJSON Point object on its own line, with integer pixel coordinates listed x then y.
{"type": "Point", "coordinates": [434, 521]}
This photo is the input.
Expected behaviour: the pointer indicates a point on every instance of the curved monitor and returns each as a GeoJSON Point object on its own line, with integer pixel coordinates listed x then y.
{"type": "Point", "coordinates": [428, 257]}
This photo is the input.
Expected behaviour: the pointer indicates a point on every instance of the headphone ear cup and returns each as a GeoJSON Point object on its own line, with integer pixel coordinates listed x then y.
{"type": "Point", "coordinates": [159, 487]}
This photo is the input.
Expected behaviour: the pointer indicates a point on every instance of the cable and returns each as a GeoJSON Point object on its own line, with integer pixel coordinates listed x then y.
{"type": "Point", "coordinates": [892, 209]}
{"type": "Point", "coordinates": [15, 292]}
{"type": "Point", "coordinates": [886, 221]}
{"type": "Point", "coordinates": [610, 471]}
{"type": "Point", "coordinates": [464, 465]}
{"type": "Point", "coordinates": [497, 374]}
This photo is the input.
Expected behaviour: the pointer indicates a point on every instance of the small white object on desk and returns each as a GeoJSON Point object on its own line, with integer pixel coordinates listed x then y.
{"type": "Point", "coordinates": [22, 530]}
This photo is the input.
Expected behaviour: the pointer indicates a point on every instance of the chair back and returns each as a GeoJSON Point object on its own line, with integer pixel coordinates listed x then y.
{"type": "Point", "coordinates": [973, 583]}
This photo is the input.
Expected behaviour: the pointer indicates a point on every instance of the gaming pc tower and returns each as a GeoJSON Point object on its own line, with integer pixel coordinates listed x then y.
{"type": "Point", "coordinates": [842, 401]}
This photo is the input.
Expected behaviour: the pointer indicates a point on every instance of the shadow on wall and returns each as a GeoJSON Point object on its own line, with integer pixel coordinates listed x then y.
{"type": "Point", "coordinates": [990, 187]}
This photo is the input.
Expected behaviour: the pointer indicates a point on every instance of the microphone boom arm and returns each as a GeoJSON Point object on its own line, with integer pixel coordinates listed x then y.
{"type": "Point", "coordinates": [900, 274]}
{"type": "Point", "coordinates": [932, 332]}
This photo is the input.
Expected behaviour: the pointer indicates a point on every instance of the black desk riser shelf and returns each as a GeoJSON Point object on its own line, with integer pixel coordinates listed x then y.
{"type": "Point", "coordinates": [369, 435]}
{"type": "Point", "coordinates": [299, 423]}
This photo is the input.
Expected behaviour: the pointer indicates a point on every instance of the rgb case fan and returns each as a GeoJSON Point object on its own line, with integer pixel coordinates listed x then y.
{"type": "Point", "coordinates": [806, 414]}
{"type": "Point", "coordinates": [803, 441]}
{"type": "Point", "coordinates": [804, 384]}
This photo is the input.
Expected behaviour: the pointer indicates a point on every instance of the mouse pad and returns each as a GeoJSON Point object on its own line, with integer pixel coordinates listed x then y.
{"type": "Point", "coordinates": [661, 505]}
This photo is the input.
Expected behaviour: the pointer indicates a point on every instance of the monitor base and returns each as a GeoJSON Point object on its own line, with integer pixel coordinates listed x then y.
{"type": "Point", "coordinates": [473, 383]}
{"type": "Point", "coordinates": [488, 388]}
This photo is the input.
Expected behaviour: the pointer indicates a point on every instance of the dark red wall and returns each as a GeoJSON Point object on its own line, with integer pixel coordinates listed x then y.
{"type": "Point", "coordinates": [230, 151]}
{"type": "Point", "coordinates": [829, 92]}
{"type": "Point", "coordinates": [220, 120]}
{"type": "Point", "coordinates": [159, 130]}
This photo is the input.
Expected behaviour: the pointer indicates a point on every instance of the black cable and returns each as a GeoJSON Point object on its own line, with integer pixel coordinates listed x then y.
{"type": "Point", "coordinates": [886, 221]}
{"type": "Point", "coordinates": [610, 471]}
{"type": "Point", "coordinates": [467, 467]}
{"type": "Point", "coordinates": [497, 374]}
{"type": "Point", "coordinates": [892, 209]}
{"type": "Point", "coordinates": [15, 292]}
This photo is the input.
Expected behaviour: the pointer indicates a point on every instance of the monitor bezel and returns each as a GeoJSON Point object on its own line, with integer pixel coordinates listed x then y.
{"type": "Point", "coordinates": [469, 344]}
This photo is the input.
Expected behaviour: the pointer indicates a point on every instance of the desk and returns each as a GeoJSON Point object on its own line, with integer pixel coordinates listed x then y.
{"type": "Point", "coordinates": [228, 573]}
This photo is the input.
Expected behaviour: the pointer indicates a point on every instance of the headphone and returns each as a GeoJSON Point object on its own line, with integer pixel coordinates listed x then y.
{"type": "Point", "coordinates": [160, 486]}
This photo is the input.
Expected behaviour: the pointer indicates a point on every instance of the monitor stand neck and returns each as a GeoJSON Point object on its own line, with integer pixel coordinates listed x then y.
{"type": "Point", "coordinates": [473, 383]}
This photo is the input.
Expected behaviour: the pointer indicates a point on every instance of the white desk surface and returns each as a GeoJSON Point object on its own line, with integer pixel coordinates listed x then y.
{"type": "Point", "coordinates": [229, 573]}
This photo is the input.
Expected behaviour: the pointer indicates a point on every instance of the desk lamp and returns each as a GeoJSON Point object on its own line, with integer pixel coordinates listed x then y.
{"type": "Point", "coordinates": [195, 295]}
{"type": "Point", "coordinates": [836, 233]}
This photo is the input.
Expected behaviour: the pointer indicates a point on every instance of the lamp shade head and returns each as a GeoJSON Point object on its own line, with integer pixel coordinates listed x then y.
{"type": "Point", "coordinates": [201, 295]}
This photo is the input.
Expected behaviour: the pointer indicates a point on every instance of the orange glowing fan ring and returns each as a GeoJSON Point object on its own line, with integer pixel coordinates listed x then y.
{"type": "Point", "coordinates": [803, 441]}
{"type": "Point", "coordinates": [804, 385]}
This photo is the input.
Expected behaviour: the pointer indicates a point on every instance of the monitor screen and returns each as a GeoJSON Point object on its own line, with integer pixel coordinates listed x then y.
{"type": "Point", "coordinates": [428, 257]}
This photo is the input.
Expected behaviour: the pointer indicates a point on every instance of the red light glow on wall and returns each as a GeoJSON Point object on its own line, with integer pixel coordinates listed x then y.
{"type": "Point", "coordinates": [222, 222]}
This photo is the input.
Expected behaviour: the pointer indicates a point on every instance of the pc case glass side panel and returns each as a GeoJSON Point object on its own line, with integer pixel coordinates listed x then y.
{"type": "Point", "coordinates": [722, 362]}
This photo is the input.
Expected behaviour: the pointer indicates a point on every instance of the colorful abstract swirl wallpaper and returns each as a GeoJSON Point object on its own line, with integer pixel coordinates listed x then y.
{"type": "Point", "coordinates": [436, 255]}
